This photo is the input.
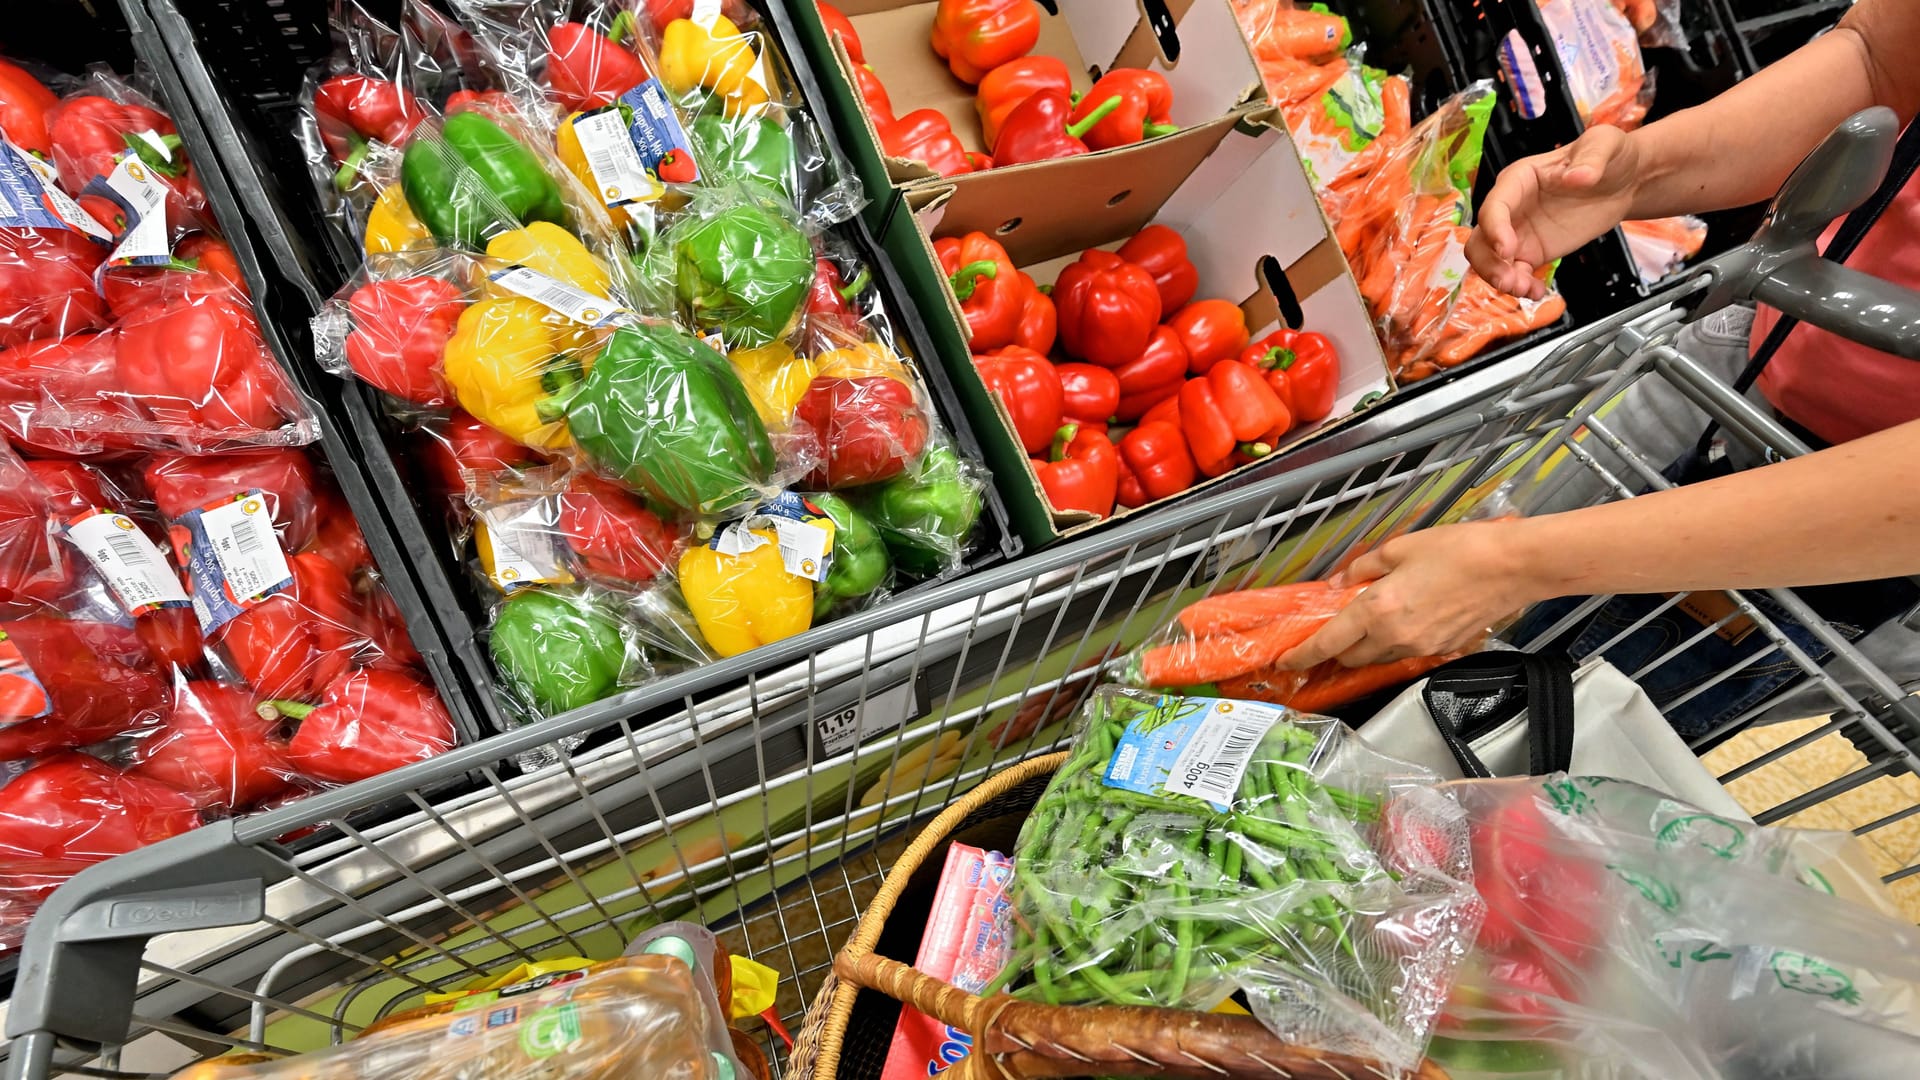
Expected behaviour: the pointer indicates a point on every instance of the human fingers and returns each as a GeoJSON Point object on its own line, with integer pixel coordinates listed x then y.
{"type": "Point", "coordinates": [1342, 632]}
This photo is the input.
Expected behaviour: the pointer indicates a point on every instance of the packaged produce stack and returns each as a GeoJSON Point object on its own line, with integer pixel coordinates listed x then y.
{"type": "Point", "coordinates": [602, 282]}
{"type": "Point", "coordinates": [190, 621]}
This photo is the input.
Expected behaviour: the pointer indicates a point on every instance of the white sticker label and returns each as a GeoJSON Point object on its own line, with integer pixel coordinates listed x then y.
{"type": "Point", "coordinates": [804, 547]}
{"type": "Point", "coordinates": [147, 196]}
{"type": "Point", "coordinates": [522, 547]}
{"type": "Point", "coordinates": [1218, 751]}
{"type": "Point", "coordinates": [737, 539]}
{"type": "Point", "coordinates": [132, 564]}
{"type": "Point", "coordinates": [618, 172]}
{"type": "Point", "coordinates": [241, 534]}
{"type": "Point", "coordinates": [63, 205]}
{"type": "Point", "coordinates": [880, 713]}
{"type": "Point", "coordinates": [577, 304]}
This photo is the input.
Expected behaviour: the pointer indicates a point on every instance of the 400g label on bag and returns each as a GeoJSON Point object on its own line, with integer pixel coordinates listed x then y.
{"type": "Point", "coordinates": [1191, 746]}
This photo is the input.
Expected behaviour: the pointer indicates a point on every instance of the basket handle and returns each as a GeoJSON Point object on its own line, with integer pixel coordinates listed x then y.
{"type": "Point", "coordinates": [1023, 1039]}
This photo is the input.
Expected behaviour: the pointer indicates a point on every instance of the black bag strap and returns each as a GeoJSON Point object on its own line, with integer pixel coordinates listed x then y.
{"type": "Point", "coordinates": [1471, 696]}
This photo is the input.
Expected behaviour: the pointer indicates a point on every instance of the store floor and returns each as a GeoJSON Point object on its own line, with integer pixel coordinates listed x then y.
{"type": "Point", "coordinates": [1893, 847]}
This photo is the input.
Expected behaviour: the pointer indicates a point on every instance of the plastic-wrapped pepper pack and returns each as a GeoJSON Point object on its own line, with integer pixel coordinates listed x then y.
{"type": "Point", "coordinates": [657, 392]}
{"type": "Point", "coordinates": [190, 620]}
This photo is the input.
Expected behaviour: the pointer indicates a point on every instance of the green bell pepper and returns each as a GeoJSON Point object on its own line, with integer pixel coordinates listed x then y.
{"type": "Point", "coordinates": [742, 271]}
{"type": "Point", "coordinates": [475, 180]}
{"type": "Point", "coordinates": [667, 415]}
{"type": "Point", "coordinates": [926, 515]}
{"type": "Point", "coordinates": [753, 150]}
{"type": "Point", "coordinates": [860, 561]}
{"type": "Point", "coordinates": [561, 652]}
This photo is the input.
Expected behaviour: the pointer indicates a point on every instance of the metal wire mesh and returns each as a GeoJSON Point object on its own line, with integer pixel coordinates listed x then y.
{"type": "Point", "coordinates": [767, 796]}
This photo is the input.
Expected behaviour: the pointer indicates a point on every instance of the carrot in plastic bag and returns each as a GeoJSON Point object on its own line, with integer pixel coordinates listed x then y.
{"type": "Point", "coordinates": [1268, 624]}
{"type": "Point", "coordinates": [1282, 32]}
{"type": "Point", "coordinates": [1328, 685]}
{"type": "Point", "coordinates": [1247, 608]}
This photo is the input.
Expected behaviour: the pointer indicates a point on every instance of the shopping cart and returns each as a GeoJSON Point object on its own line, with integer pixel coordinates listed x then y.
{"type": "Point", "coordinates": [770, 804]}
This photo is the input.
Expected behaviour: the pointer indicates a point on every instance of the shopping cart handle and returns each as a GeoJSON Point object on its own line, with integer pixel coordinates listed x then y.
{"type": "Point", "coordinates": [1781, 266]}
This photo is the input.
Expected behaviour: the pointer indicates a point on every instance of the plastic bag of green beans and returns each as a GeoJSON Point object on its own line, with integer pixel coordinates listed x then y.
{"type": "Point", "coordinates": [1191, 849]}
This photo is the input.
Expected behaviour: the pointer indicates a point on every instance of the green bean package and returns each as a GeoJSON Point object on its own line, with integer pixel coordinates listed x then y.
{"type": "Point", "coordinates": [1194, 847]}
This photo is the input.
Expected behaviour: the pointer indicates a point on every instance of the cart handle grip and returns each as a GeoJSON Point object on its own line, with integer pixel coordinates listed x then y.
{"type": "Point", "coordinates": [1844, 301]}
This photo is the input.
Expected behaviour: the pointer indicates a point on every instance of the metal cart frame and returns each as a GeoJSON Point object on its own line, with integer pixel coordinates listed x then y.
{"type": "Point", "coordinates": [767, 805]}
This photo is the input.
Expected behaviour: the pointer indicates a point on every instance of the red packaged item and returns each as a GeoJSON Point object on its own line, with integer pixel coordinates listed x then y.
{"type": "Point", "coordinates": [182, 485]}
{"type": "Point", "coordinates": [199, 369]}
{"type": "Point", "coordinates": [202, 265]}
{"type": "Point", "coordinates": [46, 285]}
{"type": "Point", "coordinates": [70, 812]}
{"type": "Point", "coordinates": [216, 747]}
{"type": "Point", "coordinates": [32, 568]}
{"type": "Point", "coordinates": [67, 683]}
{"type": "Point", "coordinates": [89, 134]}
{"type": "Point", "coordinates": [369, 722]}
{"type": "Point", "coordinates": [864, 430]}
{"type": "Point", "coordinates": [611, 533]}
{"type": "Point", "coordinates": [61, 396]}
{"type": "Point", "coordinates": [967, 941]}
{"type": "Point", "coordinates": [353, 109]}
{"type": "Point", "coordinates": [587, 69]}
{"type": "Point", "coordinates": [296, 640]}
{"type": "Point", "coordinates": [338, 538]}
{"type": "Point", "coordinates": [400, 332]}
{"type": "Point", "coordinates": [24, 104]}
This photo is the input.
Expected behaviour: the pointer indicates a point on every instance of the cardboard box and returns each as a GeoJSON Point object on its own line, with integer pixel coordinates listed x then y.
{"type": "Point", "coordinates": [1196, 44]}
{"type": "Point", "coordinates": [1234, 188]}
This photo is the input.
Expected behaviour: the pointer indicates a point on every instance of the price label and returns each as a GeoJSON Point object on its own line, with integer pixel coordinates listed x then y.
{"type": "Point", "coordinates": [577, 304]}
{"type": "Point", "coordinates": [843, 729]}
{"type": "Point", "coordinates": [133, 565]}
{"type": "Point", "coordinates": [233, 557]}
{"type": "Point", "coordinates": [619, 174]}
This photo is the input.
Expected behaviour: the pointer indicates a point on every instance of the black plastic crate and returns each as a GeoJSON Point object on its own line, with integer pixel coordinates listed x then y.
{"type": "Point", "coordinates": [1770, 29]}
{"type": "Point", "coordinates": [243, 61]}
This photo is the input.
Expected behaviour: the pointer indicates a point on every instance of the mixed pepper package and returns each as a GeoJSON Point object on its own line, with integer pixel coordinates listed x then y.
{"type": "Point", "coordinates": [656, 389]}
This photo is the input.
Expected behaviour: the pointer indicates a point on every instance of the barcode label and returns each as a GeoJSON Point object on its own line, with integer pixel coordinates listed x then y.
{"type": "Point", "coordinates": [30, 195]}
{"type": "Point", "coordinates": [519, 546]}
{"type": "Point", "coordinates": [133, 565]}
{"type": "Point", "coordinates": [144, 197]}
{"type": "Point", "coordinates": [576, 304]}
{"type": "Point", "coordinates": [1200, 747]}
{"type": "Point", "coordinates": [618, 173]}
{"type": "Point", "coordinates": [240, 539]}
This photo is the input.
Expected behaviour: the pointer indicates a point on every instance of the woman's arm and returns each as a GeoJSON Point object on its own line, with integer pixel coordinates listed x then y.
{"type": "Point", "coordinates": [1850, 513]}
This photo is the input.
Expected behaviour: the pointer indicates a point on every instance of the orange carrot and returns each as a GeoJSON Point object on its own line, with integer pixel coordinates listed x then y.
{"type": "Point", "coordinates": [1328, 685]}
{"type": "Point", "coordinates": [1231, 612]}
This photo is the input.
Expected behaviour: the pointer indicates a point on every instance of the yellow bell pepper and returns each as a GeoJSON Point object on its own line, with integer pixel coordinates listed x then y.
{"type": "Point", "coordinates": [744, 601]}
{"type": "Point", "coordinates": [719, 58]}
{"type": "Point", "coordinates": [551, 250]}
{"type": "Point", "coordinates": [507, 359]}
{"type": "Point", "coordinates": [566, 146]}
{"type": "Point", "coordinates": [391, 225]}
{"type": "Point", "coordinates": [862, 361]}
{"type": "Point", "coordinates": [775, 379]}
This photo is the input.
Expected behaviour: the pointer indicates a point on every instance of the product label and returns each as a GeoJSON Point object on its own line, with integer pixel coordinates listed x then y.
{"type": "Point", "coordinates": [1191, 746]}
{"type": "Point", "coordinates": [805, 535]}
{"type": "Point", "coordinates": [233, 557]}
{"type": "Point", "coordinates": [550, 1031]}
{"type": "Point", "coordinates": [133, 187]}
{"type": "Point", "coordinates": [133, 565]}
{"type": "Point", "coordinates": [30, 197]}
{"type": "Point", "coordinates": [618, 172]}
{"type": "Point", "coordinates": [656, 136]}
{"type": "Point", "coordinates": [577, 304]}
{"type": "Point", "coordinates": [22, 695]}
{"type": "Point", "coordinates": [843, 729]}
{"type": "Point", "coordinates": [519, 547]}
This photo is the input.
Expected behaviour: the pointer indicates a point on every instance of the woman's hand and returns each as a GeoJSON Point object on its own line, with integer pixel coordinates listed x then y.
{"type": "Point", "coordinates": [1433, 592]}
{"type": "Point", "coordinates": [1548, 205]}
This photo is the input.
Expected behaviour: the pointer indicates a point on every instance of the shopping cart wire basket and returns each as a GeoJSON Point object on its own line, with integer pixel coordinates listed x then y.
{"type": "Point", "coordinates": [769, 805]}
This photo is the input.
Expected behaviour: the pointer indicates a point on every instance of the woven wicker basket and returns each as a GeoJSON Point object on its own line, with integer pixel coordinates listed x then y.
{"type": "Point", "coordinates": [850, 1022]}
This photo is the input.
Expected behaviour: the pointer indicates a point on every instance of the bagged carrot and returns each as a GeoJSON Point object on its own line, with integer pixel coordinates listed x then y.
{"type": "Point", "coordinates": [1662, 246]}
{"type": "Point", "coordinates": [1237, 632]}
{"type": "Point", "coordinates": [1333, 127]}
{"type": "Point", "coordinates": [1329, 685]}
{"type": "Point", "coordinates": [1483, 317]}
{"type": "Point", "coordinates": [1277, 32]}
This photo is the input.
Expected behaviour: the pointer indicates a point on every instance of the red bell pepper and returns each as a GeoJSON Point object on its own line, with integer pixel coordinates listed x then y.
{"type": "Point", "coordinates": [465, 444]}
{"type": "Point", "coordinates": [46, 285]}
{"type": "Point", "coordinates": [393, 645]}
{"type": "Point", "coordinates": [1145, 99]}
{"type": "Point", "coordinates": [1152, 377]}
{"type": "Point", "coordinates": [1162, 252]}
{"type": "Point", "coordinates": [400, 331]}
{"type": "Point", "coordinates": [837, 23]}
{"type": "Point", "coordinates": [1089, 393]}
{"type": "Point", "coordinates": [91, 681]}
{"type": "Point", "coordinates": [180, 485]}
{"type": "Point", "coordinates": [72, 811]}
{"type": "Point", "coordinates": [1230, 411]}
{"type": "Point", "coordinates": [1128, 492]}
{"type": "Point", "coordinates": [70, 488]}
{"type": "Point", "coordinates": [33, 570]}
{"type": "Point", "coordinates": [1157, 455]}
{"type": "Point", "coordinates": [874, 93]}
{"type": "Point", "coordinates": [369, 722]}
{"type": "Point", "coordinates": [1264, 353]}
{"type": "Point", "coordinates": [1311, 367]}
{"type": "Point", "coordinates": [976, 36]}
{"type": "Point", "coordinates": [215, 747]}
{"type": "Point", "coordinates": [352, 110]}
{"type": "Point", "coordinates": [202, 265]}
{"type": "Point", "coordinates": [1082, 472]}
{"type": "Point", "coordinates": [338, 538]}
{"type": "Point", "coordinates": [1212, 331]}
{"type": "Point", "coordinates": [199, 362]}
{"type": "Point", "coordinates": [1030, 389]}
{"type": "Point", "coordinates": [611, 533]}
{"type": "Point", "coordinates": [1167, 411]}
{"type": "Point", "coordinates": [864, 430]}
{"type": "Point", "coordinates": [925, 136]}
{"type": "Point", "coordinates": [587, 69]}
{"type": "Point", "coordinates": [991, 292]}
{"type": "Point", "coordinates": [833, 305]}
{"type": "Point", "coordinates": [74, 374]}
{"type": "Point", "coordinates": [24, 104]}
{"type": "Point", "coordinates": [89, 131]}
{"type": "Point", "coordinates": [1039, 322]}
{"type": "Point", "coordinates": [1108, 308]}
{"type": "Point", "coordinates": [1005, 87]}
{"type": "Point", "coordinates": [295, 642]}
{"type": "Point", "coordinates": [1041, 128]}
